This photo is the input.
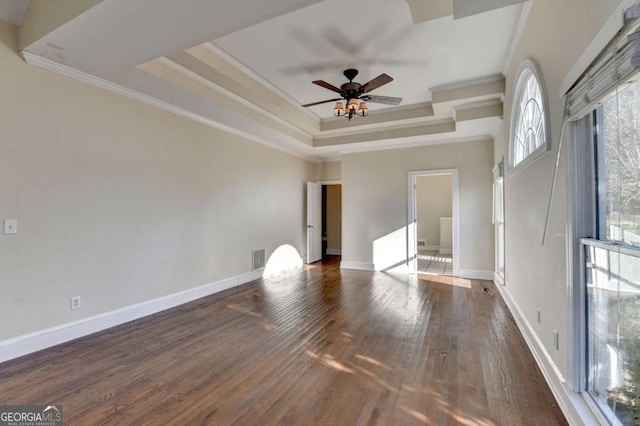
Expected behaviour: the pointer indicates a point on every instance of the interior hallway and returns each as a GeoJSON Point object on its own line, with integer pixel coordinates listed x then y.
{"type": "Point", "coordinates": [323, 346]}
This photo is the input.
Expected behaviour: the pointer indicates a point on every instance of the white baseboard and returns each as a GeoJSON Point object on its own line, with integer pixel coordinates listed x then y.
{"type": "Point", "coordinates": [334, 252]}
{"type": "Point", "coordinates": [497, 278]}
{"type": "Point", "coordinates": [475, 274]}
{"type": "Point", "coordinates": [429, 248]}
{"type": "Point", "coordinates": [572, 405]}
{"type": "Point", "coordinates": [32, 342]}
{"type": "Point", "coordinates": [363, 266]}
{"type": "Point", "coordinates": [445, 251]}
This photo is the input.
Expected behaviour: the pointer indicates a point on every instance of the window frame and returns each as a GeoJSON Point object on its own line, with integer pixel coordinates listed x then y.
{"type": "Point", "coordinates": [527, 68]}
{"type": "Point", "coordinates": [584, 185]}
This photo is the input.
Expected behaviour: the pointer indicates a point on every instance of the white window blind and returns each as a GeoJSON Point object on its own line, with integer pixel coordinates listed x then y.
{"type": "Point", "coordinates": [618, 64]}
{"type": "Point", "coordinates": [616, 67]}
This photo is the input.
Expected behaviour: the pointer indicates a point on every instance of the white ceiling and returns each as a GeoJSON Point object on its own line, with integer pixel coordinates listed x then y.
{"type": "Point", "coordinates": [13, 10]}
{"type": "Point", "coordinates": [319, 41]}
{"type": "Point", "coordinates": [288, 43]}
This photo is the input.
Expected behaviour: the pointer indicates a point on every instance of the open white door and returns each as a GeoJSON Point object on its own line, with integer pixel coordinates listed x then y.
{"type": "Point", "coordinates": [314, 225]}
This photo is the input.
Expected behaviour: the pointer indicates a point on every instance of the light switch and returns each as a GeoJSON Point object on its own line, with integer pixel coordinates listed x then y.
{"type": "Point", "coordinates": [10, 226]}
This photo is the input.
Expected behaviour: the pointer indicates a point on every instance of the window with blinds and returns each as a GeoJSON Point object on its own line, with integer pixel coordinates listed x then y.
{"type": "Point", "coordinates": [608, 96]}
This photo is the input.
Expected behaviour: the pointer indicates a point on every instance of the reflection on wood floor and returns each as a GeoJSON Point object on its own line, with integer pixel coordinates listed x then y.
{"type": "Point", "coordinates": [322, 346]}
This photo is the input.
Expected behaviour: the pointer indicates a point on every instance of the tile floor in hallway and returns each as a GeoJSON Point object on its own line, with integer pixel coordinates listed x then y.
{"type": "Point", "coordinates": [433, 262]}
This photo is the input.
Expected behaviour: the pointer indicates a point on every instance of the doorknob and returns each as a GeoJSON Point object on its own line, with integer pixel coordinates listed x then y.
{"type": "Point", "coordinates": [309, 226]}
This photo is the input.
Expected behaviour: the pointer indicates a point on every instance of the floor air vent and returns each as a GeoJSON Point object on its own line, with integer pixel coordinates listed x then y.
{"type": "Point", "coordinates": [258, 259]}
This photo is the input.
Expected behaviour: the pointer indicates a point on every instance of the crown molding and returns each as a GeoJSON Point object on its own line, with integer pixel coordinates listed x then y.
{"type": "Point", "coordinates": [463, 84]}
{"type": "Point", "coordinates": [226, 92]}
{"type": "Point", "coordinates": [84, 77]}
{"type": "Point", "coordinates": [394, 133]}
{"type": "Point", "coordinates": [216, 50]}
{"type": "Point", "coordinates": [326, 147]}
{"type": "Point", "coordinates": [417, 144]}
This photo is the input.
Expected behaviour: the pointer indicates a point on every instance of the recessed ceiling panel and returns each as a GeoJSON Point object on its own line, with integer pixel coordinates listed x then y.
{"type": "Point", "coordinates": [374, 36]}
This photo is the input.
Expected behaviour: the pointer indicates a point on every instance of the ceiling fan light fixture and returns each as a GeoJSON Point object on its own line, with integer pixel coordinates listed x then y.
{"type": "Point", "coordinates": [363, 110]}
{"type": "Point", "coordinates": [355, 95]}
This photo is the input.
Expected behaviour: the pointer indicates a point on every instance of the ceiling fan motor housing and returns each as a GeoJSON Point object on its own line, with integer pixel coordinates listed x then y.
{"type": "Point", "coordinates": [350, 90]}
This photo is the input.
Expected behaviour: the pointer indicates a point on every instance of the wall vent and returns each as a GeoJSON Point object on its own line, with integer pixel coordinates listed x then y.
{"type": "Point", "coordinates": [422, 243]}
{"type": "Point", "coordinates": [258, 259]}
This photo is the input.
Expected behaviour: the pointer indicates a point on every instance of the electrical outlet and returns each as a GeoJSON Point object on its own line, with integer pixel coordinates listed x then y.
{"type": "Point", "coordinates": [556, 340]}
{"type": "Point", "coordinates": [75, 302]}
{"type": "Point", "coordinates": [10, 226]}
{"type": "Point", "coordinates": [539, 317]}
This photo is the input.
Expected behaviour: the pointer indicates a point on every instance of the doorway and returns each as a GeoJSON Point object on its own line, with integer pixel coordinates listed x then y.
{"type": "Point", "coordinates": [331, 220]}
{"type": "Point", "coordinates": [433, 218]}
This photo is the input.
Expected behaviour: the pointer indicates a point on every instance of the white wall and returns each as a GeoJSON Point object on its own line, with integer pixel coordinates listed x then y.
{"type": "Point", "coordinates": [555, 35]}
{"type": "Point", "coordinates": [330, 170]}
{"type": "Point", "coordinates": [374, 203]}
{"type": "Point", "coordinates": [119, 202]}
{"type": "Point", "coordinates": [433, 201]}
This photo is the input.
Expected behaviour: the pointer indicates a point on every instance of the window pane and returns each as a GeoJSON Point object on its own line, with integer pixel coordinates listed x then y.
{"type": "Point", "coordinates": [619, 172]}
{"type": "Point", "coordinates": [613, 324]}
{"type": "Point", "coordinates": [529, 131]}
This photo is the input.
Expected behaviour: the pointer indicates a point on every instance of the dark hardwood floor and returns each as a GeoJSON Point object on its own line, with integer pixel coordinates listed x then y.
{"type": "Point", "coordinates": [323, 346]}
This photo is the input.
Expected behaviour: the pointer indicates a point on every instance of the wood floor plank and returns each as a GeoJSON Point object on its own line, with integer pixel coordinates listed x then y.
{"type": "Point", "coordinates": [322, 346]}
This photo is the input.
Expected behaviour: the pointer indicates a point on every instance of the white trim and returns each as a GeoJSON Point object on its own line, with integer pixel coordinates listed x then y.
{"type": "Point", "coordinates": [467, 83]}
{"type": "Point", "coordinates": [430, 248]}
{"type": "Point", "coordinates": [412, 241]}
{"type": "Point", "coordinates": [32, 342]}
{"type": "Point", "coordinates": [228, 93]}
{"type": "Point", "coordinates": [395, 125]}
{"type": "Point", "coordinates": [475, 105]}
{"type": "Point", "coordinates": [334, 252]}
{"type": "Point", "coordinates": [362, 266]}
{"type": "Point", "coordinates": [475, 274]}
{"type": "Point", "coordinates": [403, 145]}
{"type": "Point", "coordinates": [497, 278]}
{"type": "Point", "coordinates": [331, 182]}
{"type": "Point", "coordinates": [597, 45]}
{"type": "Point", "coordinates": [217, 50]}
{"type": "Point", "coordinates": [572, 405]}
{"type": "Point", "coordinates": [517, 35]}
{"type": "Point", "coordinates": [445, 251]}
{"type": "Point", "coordinates": [84, 77]}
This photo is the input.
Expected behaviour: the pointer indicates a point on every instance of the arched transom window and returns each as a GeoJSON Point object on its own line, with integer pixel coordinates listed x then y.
{"type": "Point", "coordinates": [529, 124]}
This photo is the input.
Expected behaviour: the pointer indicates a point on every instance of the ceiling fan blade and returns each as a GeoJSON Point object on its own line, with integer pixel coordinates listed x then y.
{"type": "Point", "coordinates": [326, 85]}
{"type": "Point", "coordinates": [380, 80]}
{"type": "Point", "coordinates": [322, 102]}
{"type": "Point", "coordinates": [389, 100]}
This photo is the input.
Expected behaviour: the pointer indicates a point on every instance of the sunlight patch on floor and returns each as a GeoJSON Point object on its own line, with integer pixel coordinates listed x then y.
{"type": "Point", "coordinates": [445, 279]}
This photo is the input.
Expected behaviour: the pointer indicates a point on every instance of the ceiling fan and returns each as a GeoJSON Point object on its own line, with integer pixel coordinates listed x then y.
{"type": "Point", "coordinates": [353, 91]}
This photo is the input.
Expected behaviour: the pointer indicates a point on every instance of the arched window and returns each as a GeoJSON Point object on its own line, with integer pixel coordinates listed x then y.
{"type": "Point", "coordinates": [529, 132]}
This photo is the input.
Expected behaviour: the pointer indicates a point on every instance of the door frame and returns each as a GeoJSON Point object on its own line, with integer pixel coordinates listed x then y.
{"type": "Point", "coordinates": [324, 183]}
{"type": "Point", "coordinates": [412, 229]}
